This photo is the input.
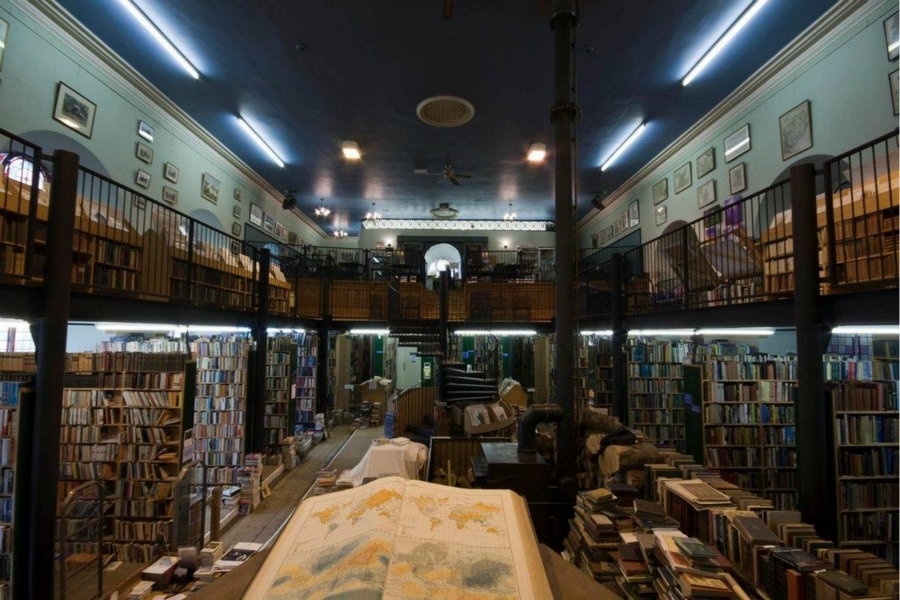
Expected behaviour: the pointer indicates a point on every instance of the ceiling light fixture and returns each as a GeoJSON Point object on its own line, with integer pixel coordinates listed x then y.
{"type": "Point", "coordinates": [866, 330]}
{"type": "Point", "coordinates": [723, 41]}
{"type": "Point", "coordinates": [737, 331]}
{"type": "Point", "coordinates": [160, 37]}
{"type": "Point", "coordinates": [660, 332]}
{"type": "Point", "coordinates": [351, 150]}
{"type": "Point", "coordinates": [457, 225]}
{"type": "Point", "coordinates": [537, 152]}
{"type": "Point", "coordinates": [340, 233]}
{"type": "Point", "coordinates": [634, 135]}
{"type": "Point", "coordinates": [495, 332]}
{"type": "Point", "coordinates": [322, 211]}
{"type": "Point", "coordinates": [599, 333]}
{"type": "Point", "coordinates": [510, 215]}
{"type": "Point", "coordinates": [372, 216]}
{"type": "Point", "coordinates": [260, 142]}
{"type": "Point", "coordinates": [370, 331]}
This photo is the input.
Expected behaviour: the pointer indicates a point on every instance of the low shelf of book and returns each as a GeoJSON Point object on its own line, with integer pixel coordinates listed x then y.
{"type": "Point", "coordinates": [656, 388]}
{"type": "Point", "coordinates": [304, 389]}
{"type": "Point", "coordinates": [12, 395]}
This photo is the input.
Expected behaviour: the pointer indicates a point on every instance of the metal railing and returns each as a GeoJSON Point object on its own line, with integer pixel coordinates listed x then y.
{"type": "Point", "coordinates": [24, 190]}
{"type": "Point", "coordinates": [83, 537]}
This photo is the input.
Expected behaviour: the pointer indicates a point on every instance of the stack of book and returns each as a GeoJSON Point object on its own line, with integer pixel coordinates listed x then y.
{"type": "Point", "coordinates": [624, 492]}
{"type": "Point", "coordinates": [593, 535]}
{"type": "Point", "coordinates": [249, 480]}
{"type": "Point", "coordinates": [690, 569]}
{"type": "Point", "coordinates": [650, 516]}
{"type": "Point", "coordinates": [636, 577]}
{"type": "Point", "coordinates": [287, 453]}
{"type": "Point", "coordinates": [141, 590]}
{"type": "Point", "coordinates": [212, 552]}
{"type": "Point", "coordinates": [231, 494]}
{"type": "Point", "coordinates": [325, 480]}
{"type": "Point", "coordinates": [787, 571]}
{"type": "Point", "coordinates": [879, 576]}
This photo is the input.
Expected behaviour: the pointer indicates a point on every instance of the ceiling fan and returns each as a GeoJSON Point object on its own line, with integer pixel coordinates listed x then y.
{"type": "Point", "coordinates": [451, 175]}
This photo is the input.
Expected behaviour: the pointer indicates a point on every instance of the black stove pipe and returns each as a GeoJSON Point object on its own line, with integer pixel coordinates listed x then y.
{"type": "Point", "coordinates": [536, 413]}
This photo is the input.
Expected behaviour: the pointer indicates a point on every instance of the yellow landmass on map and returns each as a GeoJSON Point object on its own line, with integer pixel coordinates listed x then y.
{"type": "Point", "coordinates": [376, 502]}
{"type": "Point", "coordinates": [326, 514]}
{"type": "Point", "coordinates": [478, 512]}
{"type": "Point", "coordinates": [428, 506]}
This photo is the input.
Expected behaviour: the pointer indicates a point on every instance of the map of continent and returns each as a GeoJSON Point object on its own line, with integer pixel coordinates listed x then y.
{"type": "Point", "coordinates": [444, 515]}
{"type": "Point", "coordinates": [383, 503]}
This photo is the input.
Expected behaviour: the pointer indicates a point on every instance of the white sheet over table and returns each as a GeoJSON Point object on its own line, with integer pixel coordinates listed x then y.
{"type": "Point", "coordinates": [389, 459]}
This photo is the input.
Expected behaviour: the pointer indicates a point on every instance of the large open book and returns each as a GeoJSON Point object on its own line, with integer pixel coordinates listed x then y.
{"type": "Point", "coordinates": [394, 538]}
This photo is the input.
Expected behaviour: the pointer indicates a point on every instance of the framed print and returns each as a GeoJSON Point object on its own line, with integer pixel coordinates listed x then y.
{"type": "Point", "coordinates": [615, 228]}
{"type": "Point", "coordinates": [682, 178]}
{"type": "Point", "coordinates": [139, 201]}
{"type": "Point", "coordinates": [706, 193]}
{"type": "Point", "coordinates": [4, 27]}
{"type": "Point", "coordinates": [145, 131]}
{"type": "Point", "coordinates": [892, 35]}
{"type": "Point", "coordinates": [610, 233]}
{"type": "Point", "coordinates": [142, 179]}
{"type": "Point", "coordinates": [235, 247]}
{"type": "Point", "coordinates": [895, 97]}
{"type": "Point", "coordinates": [269, 223]}
{"type": "Point", "coordinates": [737, 178]}
{"type": "Point", "coordinates": [170, 172]}
{"type": "Point", "coordinates": [239, 194]}
{"type": "Point", "coordinates": [144, 153]}
{"type": "Point", "coordinates": [796, 130]}
{"type": "Point", "coordinates": [236, 229]}
{"type": "Point", "coordinates": [706, 162]}
{"type": "Point", "coordinates": [236, 212]}
{"type": "Point", "coordinates": [660, 190]}
{"type": "Point", "coordinates": [256, 215]}
{"type": "Point", "coordinates": [74, 110]}
{"type": "Point", "coordinates": [601, 237]}
{"type": "Point", "coordinates": [170, 195]}
{"type": "Point", "coordinates": [209, 188]}
{"type": "Point", "coordinates": [661, 215]}
{"type": "Point", "coordinates": [737, 143]}
{"type": "Point", "coordinates": [279, 230]}
{"type": "Point", "coordinates": [292, 239]}
{"type": "Point", "coordinates": [623, 221]}
{"type": "Point", "coordinates": [634, 216]}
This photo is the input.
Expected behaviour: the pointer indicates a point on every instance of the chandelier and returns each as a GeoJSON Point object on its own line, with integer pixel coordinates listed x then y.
{"type": "Point", "coordinates": [372, 216]}
{"type": "Point", "coordinates": [322, 211]}
{"type": "Point", "coordinates": [510, 215]}
{"type": "Point", "coordinates": [340, 233]}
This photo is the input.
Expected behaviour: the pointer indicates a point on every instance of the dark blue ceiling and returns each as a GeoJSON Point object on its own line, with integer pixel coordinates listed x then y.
{"type": "Point", "coordinates": [367, 65]}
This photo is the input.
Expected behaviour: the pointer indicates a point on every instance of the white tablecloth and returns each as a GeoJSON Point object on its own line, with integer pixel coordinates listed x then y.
{"type": "Point", "coordinates": [389, 459]}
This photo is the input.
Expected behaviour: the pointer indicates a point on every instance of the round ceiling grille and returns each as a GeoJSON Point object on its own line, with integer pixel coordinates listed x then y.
{"type": "Point", "coordinates": [445, 111]}
{"type": "Point", "coordinates": [444, 211]}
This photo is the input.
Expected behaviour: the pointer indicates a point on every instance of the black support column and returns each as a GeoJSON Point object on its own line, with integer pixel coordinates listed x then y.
{"type": "Point", "coordinates": [617, 309]}
{"type": "Point", "coordinates": [256, 399]}
{"type": "Point", "coordinates": [814, 456]}
{"type": "Point", "coordinates": [563, 115]}
{"type": "Point", "coordinates": [35, 503]}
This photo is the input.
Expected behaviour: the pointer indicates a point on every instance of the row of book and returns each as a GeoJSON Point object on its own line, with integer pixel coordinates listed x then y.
{"type": "Point", "coordinates": [93, 362]}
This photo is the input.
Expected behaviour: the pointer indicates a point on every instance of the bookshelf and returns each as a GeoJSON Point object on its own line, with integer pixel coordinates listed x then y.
{"type": "Point", "coordinates": [12, 395]}
{"type": "Point", "coordinates": [749, 433]}
{"type": "Point", "coordinates": [656, 388]}
{"type": "Point", "coordinates": [220, 404]}
{"type": "Point", "coordinates": [277, 419]}
{"type": "Point", "coordinates": [304, 391]}
{"type": "Point", "coordinates": [603, 374]}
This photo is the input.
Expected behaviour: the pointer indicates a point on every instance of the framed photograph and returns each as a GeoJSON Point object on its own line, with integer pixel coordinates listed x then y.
{"type": "Point", "coordinates": [895, 97]}
{"type": "Point", "coordinates": [661, 215]}
{"type": "Point", "coordinates": [144, 153]}
{"type": "Point", "coordinates": [892, 35]}
{"type": "Point", "coordinates": [610, 233]}
{"type": "Point", "coordinates": [235, 247]}
{"type": "Point", "coordinates": [634, 216]}
{"type": "Point", "coordinates": [139, 201]}
{"type": "Point", "coordinates": [269, 223]}
{"type": "Point", "coordinates": [4, 26]}
{"type": "Point", "coordinates": [737, 178]}
{"type": "Point", "coordinates": [706, 193]}
{"type": "Point", "coordinates": [796, 130]}
{"type": "Point", "coordinates": [236, 229]}
{"type": "Point", "coordinates": [145, 131]}
{"type": "Point", "coordinates": [706, 162]}
{"type": "Point", "coordinates": [239, 194]}
{"type": "Point", "coordinates": [737, 143]}
{"type": "Point", "coordinates": [142, 179]}
{"type": "Point", "coordinates": [601, 237]}
{"type": "Point", "coordinates": [170, 195]}
{"type": "Point", "coordinates": [236, 212]}
{"type": "Point", "coordinates": [682, 178]}
{"type": "Point", "coordinates": [170, 172]}
{"type": "Point", "coordinates": [660, 190]}
{"type": "Point", "coordinates": [209, 188]}
{"type": "Point", "coordinates": [616, 229]}
{"type": "Point", "coordinates": [292, 240]}
{"type": "Point", "coordinates": [279, 230]}
{"type": "Point", "coordinates": [74, 110]}
{"type": "Point", "coordinates": [256, 215]}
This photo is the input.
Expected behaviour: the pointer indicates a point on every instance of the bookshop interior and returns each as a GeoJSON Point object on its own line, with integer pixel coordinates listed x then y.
{"type": "Point", "coordinates": [279, 318]}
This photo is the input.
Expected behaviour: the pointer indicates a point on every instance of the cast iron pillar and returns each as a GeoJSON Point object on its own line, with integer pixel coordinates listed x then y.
{"type": "Point", "coordinates": [444, 305]}
{"type": "Point", "coordinates": [256, 400]}
{"type": "Point", "coordinates": [617, 310]}
{"type": "Point", "coordinates": [815, 468]}
{"type": "Point", "coordinates": [35, 503]}
{"type": "Point", "coordinates": [564, 114]}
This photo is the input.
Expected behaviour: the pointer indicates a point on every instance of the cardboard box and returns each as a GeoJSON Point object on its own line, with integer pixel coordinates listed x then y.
{"type": "Point", "coordinates": [513, 394]}
{"type": "Point", "coordinates": [484, 418]}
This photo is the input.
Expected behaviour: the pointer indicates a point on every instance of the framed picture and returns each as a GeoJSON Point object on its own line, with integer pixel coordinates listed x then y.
{"type": "Point", "coordinates": [616, 229]}
{"type": "Point", "coordinates": [145, 131]}
{"type": "Point", "coordinates": [660, 190]}
{"type": "Point", "coordinates": [279, 230]}
{"type": "Point", "coordinates": [737, 178]}
{"type": "Point", "coordinates": [4, 26]}
{"type": "Point", "coordinates": [796, 130]}
{"type": "Point", "coordinates": [236, 229]}
{"type": "Point", "coordinates": [269, 223]}
{"type": "Point", "coordinates": [634, 216]}
{"type": "Point", "coordinates": [239, 194]}
{"type": "Point", "coordinates": [139, 201]}
{"type": "Point", "coordinates": [209, 188]}
{"type": "Point", "coordinates": [706, 193]}
{"type": "Point", "coordinates": [170, 172]}
{"type": "Point", "coordinates": [661, 215]}
{"type": "Point", "coordinates": [892, 35]}
{"type": "Point", "coordinates": [142, 179]}
{"type": "Point", "coordinates": [610, 233]}
{"type": "Point", "coordinates": [895, 97]}
{"type": "Point", "coordinates": [256, 215]}
{"type": "Point", "coordinates": [601, 237]}
{"type": "Point", "coordinates": [292, 239]}
{"type": "Point", "coordinates": [706, 162]}
{"type": "Point", "coordinates": [74, 110]}
{"type": "Point", "coordinates": [170, 195]}
{"type": "Point", "coordinates": [144, 153]}
{"type": "Point", "coordinates": [682, 178]}
{"type": "Point", "coordinates": [623, 221]}
{"type": "Point", "coordinates": [236, 212]}
{"type": "Point", "coordinates": [737, 143]}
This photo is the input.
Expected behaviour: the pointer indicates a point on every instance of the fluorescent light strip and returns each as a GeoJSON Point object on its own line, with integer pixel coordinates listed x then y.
{"type": "Point", "coordinates": [723, 41]}
{"type": "Point", "coordinates": [160, 37]}
{"type": "Point", "coordinates": [600, 333]}
{"type": "Point", "coordinates": [275, 330]}
{"type": "Point", "coordinates": [751, 331]}
{"type": "Point", "coordinates": [537, 152]}
{"type": "Point", "coordinates": [866, 329]}
{"type": "Point", "coordinates": [468, 332]}
{"type": "Point", "coordinates": [13, 324]}
{"type": "Point", "coordinates": [660, 332]}
{"type": "Point", "coordinates": [442, 225]}
{"type": "Point", "coordinates": [169, 328]}
{"type": "Point", "coordinates": [370, 331]}
{"type": "Point", "coordinates": [351, 150]}
{"type": "Point", "coordinates": [634, 135]}
{"type": "Point", "coordinates": [260, 142]}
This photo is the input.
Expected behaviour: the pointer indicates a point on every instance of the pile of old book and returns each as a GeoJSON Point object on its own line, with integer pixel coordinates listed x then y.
{"type": "Point", "coordinates": [249, 480]}
{"type": "Point", "coordinates": [288, 455]}
{"type": "Point", "coordinates": [325, 480]}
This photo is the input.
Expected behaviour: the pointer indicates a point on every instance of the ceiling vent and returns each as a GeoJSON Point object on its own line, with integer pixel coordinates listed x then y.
{"type": "Point", "coordinates": [445, 111]}
{"type": "Point", "coordinates": [444, 211]}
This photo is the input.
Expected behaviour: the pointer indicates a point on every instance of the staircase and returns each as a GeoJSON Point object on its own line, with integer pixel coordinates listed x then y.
{"type": "Point", "coordinates": [461, 385]}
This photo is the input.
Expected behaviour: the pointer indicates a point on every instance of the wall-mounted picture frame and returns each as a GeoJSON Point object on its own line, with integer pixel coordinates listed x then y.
{"type": "Point", "coordinates": [239, 194]}
{"type": "Point", "coordinates": [610, 233]}
{"type": "Point", "coordinates": [682, 178]}
{"type": "Point", "coordinates": [144, 153]}
{"type": "Point", "coordinates": [145, 131]}
{"type": "Point", "coordinates": [236, 212]}
{"type": "Point", "coordinates": [737, 178]}
{"type": "Point", "coordinates": [256, 215]}
{"type": "Point", "coordinates": [269, 223]}
{"type": "Point", "coordinates": [170, 172]}
{"type": "Point", "coordinates": [660, 190]}
{"type": "Point", "coordinates": [279, 230]}
{"type": "Point", "coordinates": [235, 247]}
{"type": "Point", "coordinates": [236, 229]}
{"type": "Point", "coordinates": [4, 27]}
{"type": "Point", "coordinates": [706, 193]}
{"type": "Point", "coordinates": [74, 110]}
{"type": "Point", "coordinates": [623, 220]}
{"type": "Point", "coordinates": [634, 215]}
{"type": "Point", "coordinates": [737, 143]}
{"type": "Point", "coordinates": [292, 240]}
{"type": "Point", "coordinates": [795, 127]}
{"type": "Point", "coordinates": [170, 195]}
{"type": "Point", "coordinates": [601, 237]}
{"type": "Point", "coordinates": [661, 215]}
{"type": "Point", "coordinates": [895, 91]}
{"type": "Point", "coordinates": [706, 162]}
{"type": "Point", "coordinates": [142, 179]}
{"type": "Point", "coordinates": [209, 188]}
{"type": "Point", "coordinates": [139, 201]}
{"type": "Point", "coordinates": [892, 35]}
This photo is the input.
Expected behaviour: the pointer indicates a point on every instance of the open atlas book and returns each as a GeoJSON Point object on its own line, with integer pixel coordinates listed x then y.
{"type": "Point", "coordinates": [394, 538]}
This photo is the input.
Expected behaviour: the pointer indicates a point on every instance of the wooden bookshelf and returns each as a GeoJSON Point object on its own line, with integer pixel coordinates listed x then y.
{"type": "Point", "coordinates": [603, 375]}
{"type": "Point", "coordinates": [304, 391]}
{"type": "Point", "coordinates": [656, 389]}
{"type": "Point", "coordinates": [584, 374]}
{"type": "Point", "coordinates": [12, 395]}
{"type": "Point", "coordinates": [277, 421]}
